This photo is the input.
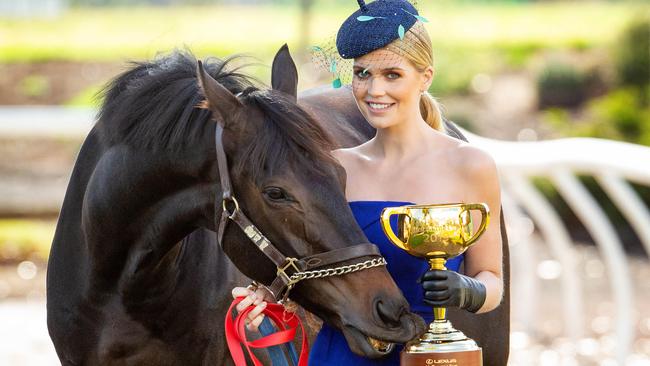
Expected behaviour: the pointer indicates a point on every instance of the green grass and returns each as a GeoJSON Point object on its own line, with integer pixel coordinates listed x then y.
{"type": "Point", "coordinates": [23, 239]}
{"type": "Point", "coordinates": [468, 38]}
{"type": "Point", "coordinates": [117, 34]}
{"type": "Point", "coordinates": [141, 32]}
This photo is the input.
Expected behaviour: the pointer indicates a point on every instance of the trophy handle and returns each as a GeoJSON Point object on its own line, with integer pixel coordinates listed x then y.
{"type": "Point", "coordinates": [385, 223]}
{"type": "Point", "coordinates": [485, 219]}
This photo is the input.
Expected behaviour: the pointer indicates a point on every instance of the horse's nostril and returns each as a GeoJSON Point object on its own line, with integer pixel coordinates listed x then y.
{"type": "Point", "coordinates": [389, 315]}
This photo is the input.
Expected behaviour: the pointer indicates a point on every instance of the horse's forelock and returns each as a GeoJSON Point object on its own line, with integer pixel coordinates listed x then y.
{"type": "Point", "coordinates": [288, 133]}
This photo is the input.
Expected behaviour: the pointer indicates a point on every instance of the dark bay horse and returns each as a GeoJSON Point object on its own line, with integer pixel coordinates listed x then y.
{"type": "Point", "coordinates": [135, 275]}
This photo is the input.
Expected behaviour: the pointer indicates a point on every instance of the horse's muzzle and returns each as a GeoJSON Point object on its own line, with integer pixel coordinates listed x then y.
{"type": "Point", "coordinates": [373, 343]}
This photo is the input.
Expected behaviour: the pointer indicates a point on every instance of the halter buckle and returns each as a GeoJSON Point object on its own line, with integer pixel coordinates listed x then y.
{"type": "Point", "coordinates": [224, 204]}
{"type": "Point", "coordinates": [286, 278]}
{"type": "Point", "coordinates": [282, 270]}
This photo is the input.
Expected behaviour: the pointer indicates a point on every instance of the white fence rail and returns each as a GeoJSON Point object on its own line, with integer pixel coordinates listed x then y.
{"type": "Point", "coordinates": [35, 164]}
{"type": "Point", "coordinates": [612, 164]}
{"type": "Point", "coordinates": [45, 122]}
{"type": "Point", "coordinates": [32, 8]}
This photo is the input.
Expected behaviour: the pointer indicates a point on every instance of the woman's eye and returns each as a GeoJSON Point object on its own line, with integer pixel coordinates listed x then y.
{"type": "Point", "coordinates": [393, 75]}
{"type": "Point", "coordinates": [276, 194]}
{"type": "Point", "coordinates": [362, 74]}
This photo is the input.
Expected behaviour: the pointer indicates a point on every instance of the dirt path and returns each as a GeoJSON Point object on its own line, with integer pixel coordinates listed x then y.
{"type": "Point", "coordinates": [24, 340]}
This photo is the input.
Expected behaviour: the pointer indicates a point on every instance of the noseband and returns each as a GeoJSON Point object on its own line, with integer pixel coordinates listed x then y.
{"type": "Point", "coordinates": [289, 270]}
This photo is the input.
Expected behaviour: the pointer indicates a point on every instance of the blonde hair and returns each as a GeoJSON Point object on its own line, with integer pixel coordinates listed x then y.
{"type": "Point", "coordinates": [416, 47]}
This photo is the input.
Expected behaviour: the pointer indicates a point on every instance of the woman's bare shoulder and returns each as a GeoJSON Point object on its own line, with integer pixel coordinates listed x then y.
{"type": "Point", "coordinates": [347, 156]}
{"type": "Point", "coordinates": [358, 152]}
{"type": "Point", "coordinates": [342, 152]}
{"type": "Point", "coordinates": [475, 162]}
{"type": "Point", "coordinates": [342, 155]}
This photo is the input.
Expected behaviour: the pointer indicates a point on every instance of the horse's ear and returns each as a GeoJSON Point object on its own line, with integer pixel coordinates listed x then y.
{"type": "Point", "coordinates": [284, 75]}
{"type": "Point", "coordinates": [219, 100]}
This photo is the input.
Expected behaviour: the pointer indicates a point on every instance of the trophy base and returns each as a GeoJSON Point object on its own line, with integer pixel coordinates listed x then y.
{"type": "Point", "coordinates": [442, 345]}
{"type": "Point", "coordinates": [467, 358]}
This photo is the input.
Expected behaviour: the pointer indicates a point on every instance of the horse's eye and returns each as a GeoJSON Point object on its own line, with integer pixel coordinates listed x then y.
{"type": "Point", "coordinates": [276, 194]}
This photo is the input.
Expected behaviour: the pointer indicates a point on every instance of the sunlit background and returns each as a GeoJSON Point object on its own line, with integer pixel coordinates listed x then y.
{"type": "Point", "coordinates": [513, 70]}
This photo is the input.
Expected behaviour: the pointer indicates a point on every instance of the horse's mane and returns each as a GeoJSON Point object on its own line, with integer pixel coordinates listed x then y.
{"type": "Point", "coordinates": [154, 105]}
{"type": "Point", "coordinates": [288, 132]}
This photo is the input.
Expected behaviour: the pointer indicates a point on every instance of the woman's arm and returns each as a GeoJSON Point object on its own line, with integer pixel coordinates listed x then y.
{"type": "Point", "coordinates": [484, 259]}
{"type": "Point", "coordinates": [480, 289]}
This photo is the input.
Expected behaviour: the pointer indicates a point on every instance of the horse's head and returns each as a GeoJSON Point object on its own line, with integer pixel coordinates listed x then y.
{"type": "Point", "coordinates": [292, 189]}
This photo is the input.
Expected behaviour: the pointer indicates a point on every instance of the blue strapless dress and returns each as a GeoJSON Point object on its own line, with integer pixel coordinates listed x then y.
{"type": "Point", "coordinates": [330, 347]}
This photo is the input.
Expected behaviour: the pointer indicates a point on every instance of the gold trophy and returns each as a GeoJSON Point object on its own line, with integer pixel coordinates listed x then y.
{"type": "Point", "coordinates": [437, 233]}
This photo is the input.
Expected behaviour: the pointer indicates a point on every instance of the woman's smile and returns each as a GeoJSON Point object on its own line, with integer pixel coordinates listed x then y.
{"type": "Point", "coordinates": [379, 107]}
{"type": "Point", "coordinates": [387, 87]}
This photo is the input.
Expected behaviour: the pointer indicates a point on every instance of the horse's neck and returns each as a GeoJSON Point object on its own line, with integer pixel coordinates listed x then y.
{"type": "Point", "coordinates": [68, 261]}
{"type": "Point", "coordinates": [337, 112]}
{"type": "Point", "coordinates": [135, 212]}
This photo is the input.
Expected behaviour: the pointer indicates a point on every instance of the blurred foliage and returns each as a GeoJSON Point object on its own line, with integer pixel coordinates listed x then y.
{"type": "Point", "coordinates": [619, 115]}
{"type": "Point", "coordinates": [565, 84]}
{"type": "Point", "coordinates": [633, 61]}
{"type": "Point", "coordinates": [455, 70]}
{"type": "Point", "coordinates": [517, 55]}
{"type": "Point", "coordinates": [561, 85]}
{"type": "Point", "coordinates": [34, 85]}
{"type": "Point", "coordinates": [622, 114]}
{"type": "Point", "coordinates": [23, 239]}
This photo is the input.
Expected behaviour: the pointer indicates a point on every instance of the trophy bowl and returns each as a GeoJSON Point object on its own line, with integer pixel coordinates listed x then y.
{"type": "Point", "coordinates": [436, 233]}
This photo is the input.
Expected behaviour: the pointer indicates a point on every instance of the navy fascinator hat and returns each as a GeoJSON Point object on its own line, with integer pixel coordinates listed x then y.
{"type": "Point", "coordinates": [374, 26]}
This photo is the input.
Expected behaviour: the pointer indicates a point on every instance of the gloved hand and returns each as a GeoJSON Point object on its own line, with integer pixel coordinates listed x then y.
{"type": "Point", "coordinates": [452, 289]}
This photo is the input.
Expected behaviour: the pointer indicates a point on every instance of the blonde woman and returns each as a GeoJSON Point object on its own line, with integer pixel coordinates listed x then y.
{"type": "Point", "coordinates": [409, 160]}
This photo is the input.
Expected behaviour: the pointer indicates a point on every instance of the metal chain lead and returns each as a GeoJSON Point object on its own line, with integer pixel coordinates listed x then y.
{"type": "Point", "coordinates": [337, 271]}
{"type": "Point", "coordinates": [320, 273]}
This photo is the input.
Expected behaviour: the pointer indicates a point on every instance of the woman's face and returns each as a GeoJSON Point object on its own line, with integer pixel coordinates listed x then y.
{"type": "Point", "coordinates": [387, 87]}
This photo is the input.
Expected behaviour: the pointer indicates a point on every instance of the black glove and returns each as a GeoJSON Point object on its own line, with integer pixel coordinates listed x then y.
{"type": "Point", "coordinates": [452, 289]}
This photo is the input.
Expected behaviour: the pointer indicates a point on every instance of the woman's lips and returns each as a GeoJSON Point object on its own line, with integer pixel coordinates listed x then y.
{"type": "Point", "coordinates": [379, 108]}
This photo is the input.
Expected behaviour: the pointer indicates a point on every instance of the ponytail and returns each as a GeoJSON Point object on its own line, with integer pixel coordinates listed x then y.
{"type": "Point", "coordinates": [431, 112]}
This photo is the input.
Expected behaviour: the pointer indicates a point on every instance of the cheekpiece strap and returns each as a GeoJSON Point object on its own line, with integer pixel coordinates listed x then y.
{"type": "Point", "coordinates": [234, 213]}
{"type": "Point", "coordinates": [225, 181]}
{"type": "Point", "coordinates": [222, 161]}
{"type": "Point", "coordinates": [254, 234]}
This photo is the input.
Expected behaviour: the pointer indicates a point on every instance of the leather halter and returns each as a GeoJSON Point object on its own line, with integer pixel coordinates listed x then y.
{"type": "Point", "coordinates": [289, 270]}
